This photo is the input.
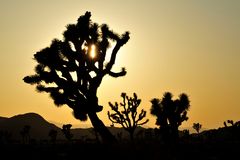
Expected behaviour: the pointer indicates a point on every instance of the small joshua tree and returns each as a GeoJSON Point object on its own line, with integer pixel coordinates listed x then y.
{"type": "Point", "coordinates": [197, 127]}
{"type": "Point", "coordinates": [170, 114]}
{"type": "Point", "coordinates": [233, 128]}
{"type": "Point", "coordinates": [66, 129]}
{"type": "Point", "coordinates": [25, 133]}
{"type": "Point", "coordinates": [228, 121]}
{"type": "Point", "coordinates": [234, 124]}
{"type": "Point", "coordinates": [125, 113]}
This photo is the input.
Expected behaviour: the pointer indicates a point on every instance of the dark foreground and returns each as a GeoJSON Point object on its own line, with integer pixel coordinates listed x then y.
{"type": "Point", "coordinates": [138, 151]}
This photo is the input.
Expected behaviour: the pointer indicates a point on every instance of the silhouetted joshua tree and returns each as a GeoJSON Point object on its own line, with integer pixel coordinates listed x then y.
{"type": "Point", "coordinates": [170, 114]}
{"type": "Point", "coordinates": [228, 121]}
{"type": "Point", "coordinates": [72, 69]}
{"type": "Point", "coordinates": [5, 137]}
{"type": "Point", "coordinates": [233, 128]}
{"type": "Point", "coordinates": [127, 114]}
{"type": "Point", "coordinates": [53, 135]}
{"type": "Point", "coordinates": [66, 129]}
{"type": "Point", "coordinates": [234, 124]}
{"type": "Point", "coordinates": [25, 133]}
{"type": "Point", "coordinates": [197, 127]}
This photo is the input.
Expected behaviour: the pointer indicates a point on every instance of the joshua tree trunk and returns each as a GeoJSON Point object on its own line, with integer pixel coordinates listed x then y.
{"type": "Point", "coordinates": [175, 134]}
{"type": "Point", "coordinates": [97, 124]}
{"type": "Point", "coordinates": [131, 135]}
{"type": "Point", "coordinates": [101, 129]}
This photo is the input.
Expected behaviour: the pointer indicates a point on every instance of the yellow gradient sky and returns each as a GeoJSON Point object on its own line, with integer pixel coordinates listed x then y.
{"type": "Point", "coordinates": [178, 46]}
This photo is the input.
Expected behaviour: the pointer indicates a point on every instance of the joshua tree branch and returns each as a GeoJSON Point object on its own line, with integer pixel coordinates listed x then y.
{"type": "Point", "coordinates": [139, 124]}
{"type": "Point", "coordinates": [119, 74]}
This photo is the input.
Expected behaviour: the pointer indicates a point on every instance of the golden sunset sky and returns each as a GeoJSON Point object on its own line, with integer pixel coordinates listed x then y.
{"type": "Point", "coordinates": [190, 46]}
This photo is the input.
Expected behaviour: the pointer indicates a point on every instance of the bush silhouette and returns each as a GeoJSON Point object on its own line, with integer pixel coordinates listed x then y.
{"type": "Point", "coordinates": [170, 114]}
{"type": "Point", "coordinates": [128, 116]}
{"type": "Point", "coordinates": [53, 135]}
{"type": "Point", "coordinates": [25, 133]}
{"type": "Point", "coordinates": [69, 72]}
{"type": "Point", "coordinates": [66, 129]}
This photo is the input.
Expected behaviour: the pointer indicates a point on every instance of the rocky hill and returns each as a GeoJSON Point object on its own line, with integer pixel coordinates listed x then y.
{"type": "Point", "coordinates": [39, 126]}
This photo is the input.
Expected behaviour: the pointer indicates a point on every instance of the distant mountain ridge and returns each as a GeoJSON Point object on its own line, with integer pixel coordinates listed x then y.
{"type": "Point", "coordinates": [39, 126]}
{"type": "Point", "coordinates": [40, 129]}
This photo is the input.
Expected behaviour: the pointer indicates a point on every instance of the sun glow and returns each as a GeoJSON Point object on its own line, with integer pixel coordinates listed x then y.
{"type": "Point", "coordinates": [93, 51]}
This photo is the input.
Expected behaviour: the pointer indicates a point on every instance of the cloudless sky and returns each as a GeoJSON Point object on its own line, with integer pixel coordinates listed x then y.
{"type": "Point", "coordinates": [190, 46]}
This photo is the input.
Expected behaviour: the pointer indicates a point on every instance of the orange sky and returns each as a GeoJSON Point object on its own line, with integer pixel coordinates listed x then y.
{"type": "Point", "coordinates": [177, 46]}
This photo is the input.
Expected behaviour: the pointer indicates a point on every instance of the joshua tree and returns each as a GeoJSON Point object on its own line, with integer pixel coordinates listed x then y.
{"type": "Point", "coordinates": [228, 121]}
{"type": "Point", "coordinates": [25, 133]}
{"type": "Point", "coordinates": [71, 70]}
{"type": "Point", "coordinates": [5, 137]}
{"type": "Point", "coordinates": [170, 114]}
{"type": "Point", "coordinates": [235, 124]}
{"type": "Point", "coordinates": [127, 117]}
{"type": "Point", "coordinates": [197, 127]}
{"type": "Point", "coordinates": [233, 128]}
{"type": "Point", "coordinates": [66, 129]}
{"type": "Point", "coordinates": [53, 135]}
